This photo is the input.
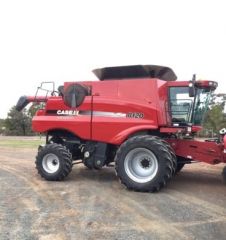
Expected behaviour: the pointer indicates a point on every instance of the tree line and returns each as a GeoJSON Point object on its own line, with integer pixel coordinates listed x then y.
{"type": "Point", "coordinates": [215, 118]}
{"type": "Point", "coordinates": [19, 123]}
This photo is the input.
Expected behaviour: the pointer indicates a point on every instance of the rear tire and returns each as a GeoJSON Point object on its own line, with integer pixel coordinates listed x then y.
{"type": "Point", "coordinates": [54, 162]}
{"type": "Point", "coordinates": [144, 163]}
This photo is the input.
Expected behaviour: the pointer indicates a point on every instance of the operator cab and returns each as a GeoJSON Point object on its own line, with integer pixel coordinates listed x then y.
{"type": "Point", "coordinates": [188, 107]}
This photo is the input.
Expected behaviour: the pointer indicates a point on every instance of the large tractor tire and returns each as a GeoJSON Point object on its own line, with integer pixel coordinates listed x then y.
{"type": "Point", "coordinates": [144, 163]}
{"type": "Point", "coordinates": [171, 151]}
{"type": "Point", "coordinates": [54, 162]}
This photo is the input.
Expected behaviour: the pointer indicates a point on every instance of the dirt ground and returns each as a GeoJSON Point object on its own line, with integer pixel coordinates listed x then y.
{"type": "Point", "coordinates": [93, 204]}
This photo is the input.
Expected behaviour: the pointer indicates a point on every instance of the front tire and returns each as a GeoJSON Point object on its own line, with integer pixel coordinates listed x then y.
{"type": "Point", "coordinates": [54, 162]}
{"type": "Point", "coordinates": [143, 163]}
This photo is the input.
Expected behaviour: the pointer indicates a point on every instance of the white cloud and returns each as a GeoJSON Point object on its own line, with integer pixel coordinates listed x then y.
{"type": "Point", "coordinates": [64, 40]}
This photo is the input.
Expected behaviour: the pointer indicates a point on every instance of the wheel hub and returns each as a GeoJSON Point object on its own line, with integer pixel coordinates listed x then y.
{"type": "Point", "coordinates": [54, 162]}
{"type": "Point", "coordinates": [141, 165]}
{"type": "Point", "coordinates": [50, 163]}
{"type": "Point", "coordinates": [145, 163]}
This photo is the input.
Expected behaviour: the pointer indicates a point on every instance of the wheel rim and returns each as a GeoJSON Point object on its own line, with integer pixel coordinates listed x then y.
{"type": "Point", "coordinates": [50, 163]}
{"type": "Point", "coordinates": [141, 165]}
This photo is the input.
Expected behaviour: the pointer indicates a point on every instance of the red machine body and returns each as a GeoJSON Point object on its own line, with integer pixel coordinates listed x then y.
{"type": "Point", "coordinates": [136, 116]}
{"type": "Point", "coordinates": [118, 109]}
{"type": "Point", "coordinates": [111, 103]}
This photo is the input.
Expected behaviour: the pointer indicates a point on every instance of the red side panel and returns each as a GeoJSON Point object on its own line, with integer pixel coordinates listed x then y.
{"type": "Point", "coordinates": [209, 152]}
{"type": "Point", "coordinates": [119, 109]}
{"type": "Point", "coordinates": [80, 126]}
{"type": "Point", "coordinates": [133, 103]}
{"type": "Point", "coordinates": [115, 129]}
{"type": "Point", "coordinates": [48, 119]}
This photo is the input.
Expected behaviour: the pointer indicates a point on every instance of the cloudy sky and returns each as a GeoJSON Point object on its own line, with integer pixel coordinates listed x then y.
{"type": "Point", "coordinates": [64, 40]}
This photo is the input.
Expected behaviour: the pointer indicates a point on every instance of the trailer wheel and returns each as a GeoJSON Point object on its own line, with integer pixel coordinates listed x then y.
{"type": "Point", "coordinates": [143, 163]}
{"type": "Point", "coordinates": [54, 162]}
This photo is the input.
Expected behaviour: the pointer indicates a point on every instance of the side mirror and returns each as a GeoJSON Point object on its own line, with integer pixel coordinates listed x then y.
{"type": "Point", "coordinates": [191, 90]}
{"type": "Point", "coordinates": [192, 86]}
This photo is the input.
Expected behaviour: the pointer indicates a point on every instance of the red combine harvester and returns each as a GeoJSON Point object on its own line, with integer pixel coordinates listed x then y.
{"type": "Point", "coordinates": [138, 117]}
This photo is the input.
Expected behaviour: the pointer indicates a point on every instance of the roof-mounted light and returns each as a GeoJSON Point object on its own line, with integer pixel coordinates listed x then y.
{"type": "Point", "coordinates": [206, 84]}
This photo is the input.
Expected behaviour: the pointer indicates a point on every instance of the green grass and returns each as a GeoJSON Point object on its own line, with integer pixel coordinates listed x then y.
{"type": "Point", "coordinates": [21, 143]}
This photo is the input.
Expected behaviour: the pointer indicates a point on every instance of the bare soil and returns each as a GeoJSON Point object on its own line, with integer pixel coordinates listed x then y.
{"type": "Point", "coordinates": [94, 205]}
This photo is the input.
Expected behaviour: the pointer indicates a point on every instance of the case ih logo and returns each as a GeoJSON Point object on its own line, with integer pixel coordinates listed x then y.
{"type": "Point", "coordinates": [67, 112]}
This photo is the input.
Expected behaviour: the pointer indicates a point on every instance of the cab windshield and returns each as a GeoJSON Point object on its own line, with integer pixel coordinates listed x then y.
{"type": "Point", "coordinates": [185, 109]}
{"type": "Point", "coordinates": [201, 104]}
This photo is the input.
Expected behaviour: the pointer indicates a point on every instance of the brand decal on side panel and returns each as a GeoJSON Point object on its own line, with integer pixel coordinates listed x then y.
{"type": "Point", "coordinates": [97, 113]}
{"type": "Point", "coordinates": [67, 112]}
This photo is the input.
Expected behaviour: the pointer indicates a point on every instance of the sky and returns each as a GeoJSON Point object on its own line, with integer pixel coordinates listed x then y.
{"type": "Point", "coordinates": [64, 40]}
